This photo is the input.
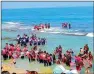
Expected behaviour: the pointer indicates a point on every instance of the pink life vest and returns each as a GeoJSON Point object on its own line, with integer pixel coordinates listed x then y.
{"type": "Point", "coordinates": [10, 53]}
{"type": "Point", "coordinates": [7, 47]}
{"type": "Point", "coordinates": [4, 51]}
{"type": "Point", "coordinates": [25, 49]}
{"type": "Point", "coordinates": [18, 49]}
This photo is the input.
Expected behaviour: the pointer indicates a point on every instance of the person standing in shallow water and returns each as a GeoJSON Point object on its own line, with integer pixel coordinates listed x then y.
{"type": "Point", "coordinates": [69, 26]}
{"type": "Point", "coordinates": [18, 39]}
{"type": "Point", "coordinates": [86, 49]}
{"type": "Point", "coordinates": [54, 58]}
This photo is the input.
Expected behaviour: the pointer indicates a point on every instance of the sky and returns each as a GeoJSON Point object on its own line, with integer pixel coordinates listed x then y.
{"type": "Point", "coordinates": [16, 5]}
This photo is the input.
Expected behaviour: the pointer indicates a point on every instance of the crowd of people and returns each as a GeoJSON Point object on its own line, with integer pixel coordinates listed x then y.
{"type": "Point", "coordinates": [33, 40]}
{"type": "Point", "coordinates": [66, 25]}
{"type": "Point", "coordinates": [11, 51]}
{"type": "Point", "coordinates": [42, 26]}
{"type": "Point", "coordinates": [83, 59]}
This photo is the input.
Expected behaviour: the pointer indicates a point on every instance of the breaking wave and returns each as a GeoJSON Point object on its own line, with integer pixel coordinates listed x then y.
{"type": "Point", "coordinates": [53, 30]}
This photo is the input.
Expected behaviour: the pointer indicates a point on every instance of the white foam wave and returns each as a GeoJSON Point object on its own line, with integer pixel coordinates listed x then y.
{"type": "Point", "coordinates": [15, 25]}
{"type": "Point", "coordinates": [25, 27]}
{"type": "Point", "coordinates": [76, 33]}
{"type": "Point", "coordinates": [10, 25]}
{"type": "Point", "coordinates": [90, 35]}
{"type": "Point", "coordinates": [54, 30]}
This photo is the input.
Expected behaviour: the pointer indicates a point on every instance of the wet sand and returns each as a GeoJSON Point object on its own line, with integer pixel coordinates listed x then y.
{"type": "Point", "coordinates": [9, 66]}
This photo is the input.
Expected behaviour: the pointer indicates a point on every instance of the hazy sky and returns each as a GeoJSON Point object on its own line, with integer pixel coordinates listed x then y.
{"type": "Point", "coordinates": [12, 5]}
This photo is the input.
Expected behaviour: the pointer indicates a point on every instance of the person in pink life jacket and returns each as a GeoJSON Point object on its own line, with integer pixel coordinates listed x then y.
{"type": "Point", "coordinates": [57, 50]}
{"type": "Point", "coordinates": [90, 63]}
{"type": "Point", "coordinates": [18, 49]}
{"type": "Point", "coordinates": [4, 54]}
{"type": "Point", "coordinates": [60, 49]}
{"type": "Point", "coordinates": [33, 55]}
{"type": "Point", "coordinates": [7, 46]}
{"type": "Point", "coordinates": [17, 54]}
{"type": "Point", "coordinates": [66, 24]}
{"type": "Point", "coordinates": [28, 55]}
{"type": "Point", "coordinates": [25, 49]}
{"type": "Point", "coordinates": [35, 27]}
{"type": "Point", "coordinates": [41, 57]}
{"type": "Point", "coordinates": [12, 48]}
{"type": "Point", "coordinates": [45, 60]}
{"type": "Point", "coordinates": [77, 58]}
{"type": "Point", "coordinates": [49, 60]}
{"type": "Point", "coordinates": [10, 54]}
{"type": "Point", "coordinates": [42, 26]}
{"type": "Point", "coordinates": [90, 56]}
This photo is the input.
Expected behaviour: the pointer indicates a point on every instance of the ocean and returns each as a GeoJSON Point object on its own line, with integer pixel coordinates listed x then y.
{"type": "Point", "coordinates": [80, 18]}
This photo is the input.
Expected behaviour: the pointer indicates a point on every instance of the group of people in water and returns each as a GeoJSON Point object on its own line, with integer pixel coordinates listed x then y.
{"type": "Point", "coordinates": [11, 51]}
{"type": "Point", "coordinates": [42, 26]}
{"type": "Point", "coordinates": [83, 59]}
{"type": "Point", "coordinates": [47, 26]}
{"type": "Point", "coordinates": [66, 25]}
{"type": "Point", "coordinates": [33, 40]}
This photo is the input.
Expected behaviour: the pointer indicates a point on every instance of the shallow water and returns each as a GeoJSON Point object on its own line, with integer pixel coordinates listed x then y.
{"type": "Point", "coordinates": [53, 40]}
{"type": "Point", "coordinates": [80, 18]}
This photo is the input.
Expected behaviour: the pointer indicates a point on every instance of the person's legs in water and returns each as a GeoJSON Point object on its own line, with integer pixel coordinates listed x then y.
{"type": "Point", "coordinates": [50, 63]}
{"type": "Point", "coordinates": [43, 42]}
{"type": "Point", "coordinates": [4, 56]}
{"type": "Point", "coordinates": [45, 63]}
{"type": "Point", "coordinates": [29, 59]}
{"type": "Point", "coordinates": [10, 57]}
{"type": "Point", "coordinates": [38, 42]}
{"type": "Point", "coordinates": [22, 57]}
{"type": "Point", "coordinates": [30, 43]}
{"type": "Point", "coordinates": [25, 44]}
{"type": "Point", "coordinates": [22, 43]}
{"type": "Point", "coordinates": [40, 61]}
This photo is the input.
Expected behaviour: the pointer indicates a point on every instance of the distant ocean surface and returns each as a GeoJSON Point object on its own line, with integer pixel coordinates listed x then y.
{"type": "Point", "coordinates": [81, 18]}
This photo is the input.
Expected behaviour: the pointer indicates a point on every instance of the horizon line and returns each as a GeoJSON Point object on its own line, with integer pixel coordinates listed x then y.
{"type": "Point", "coordinates": [45, 7]}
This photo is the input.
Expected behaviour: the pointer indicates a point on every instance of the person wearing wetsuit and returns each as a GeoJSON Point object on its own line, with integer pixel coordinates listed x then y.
{"type": "Point", "coordinates": [27, 39]}
{"type": "Point", "coordinates": [18, 39]}
{"type": "Point", "coordinates": [39, 41]}
{"type": "Point", "coordinates": [24, 41]}
{"type": "Point", "coordinates": [48, 25]}
{"type": "Point", "coordinates": [21, 41]}
{"type": "Point", "coordinates": [69, 26]}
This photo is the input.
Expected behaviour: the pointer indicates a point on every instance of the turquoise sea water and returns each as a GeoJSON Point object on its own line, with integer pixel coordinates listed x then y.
{"type": "Point", "coordinates": [81, 19]}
